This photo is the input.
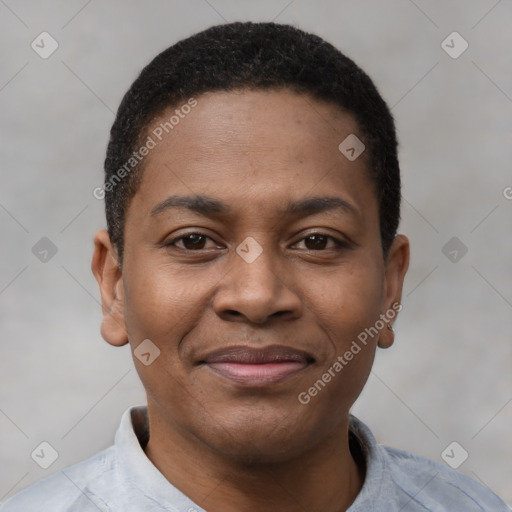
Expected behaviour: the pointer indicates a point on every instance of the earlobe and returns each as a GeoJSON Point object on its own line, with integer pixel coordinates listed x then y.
{"type": "Point", "coordinates": [387, 336]}
{"type": "Point", "coordinates": [397, 264]}
{"type": "Point", "coordinates": [106, 270]}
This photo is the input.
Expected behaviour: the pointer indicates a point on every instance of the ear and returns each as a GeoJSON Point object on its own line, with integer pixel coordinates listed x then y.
{"type": "Point", "coordinates": [107, 272]}
{"type": "Point", "coordinates": [397, 264]}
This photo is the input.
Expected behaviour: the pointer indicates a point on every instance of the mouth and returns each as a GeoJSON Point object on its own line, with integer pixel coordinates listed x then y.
{"type": "Point", "coordinates": [258, 366]}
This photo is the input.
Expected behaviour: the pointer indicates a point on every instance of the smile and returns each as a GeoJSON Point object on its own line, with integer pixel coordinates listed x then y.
{"type": "Point", "coordinates": [258, 366]}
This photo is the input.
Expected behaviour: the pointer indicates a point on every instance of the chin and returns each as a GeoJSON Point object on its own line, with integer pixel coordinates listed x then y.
{"type": "Point", "coordinates": [258, 439]}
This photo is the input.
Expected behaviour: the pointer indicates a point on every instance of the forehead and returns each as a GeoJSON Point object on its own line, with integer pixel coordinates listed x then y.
{"type": "Point", "coordinates": [254, 147]}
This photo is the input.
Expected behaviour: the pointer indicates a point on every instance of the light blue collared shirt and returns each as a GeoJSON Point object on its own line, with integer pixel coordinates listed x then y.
{"type": "Point", "coordinates": [122, 479]}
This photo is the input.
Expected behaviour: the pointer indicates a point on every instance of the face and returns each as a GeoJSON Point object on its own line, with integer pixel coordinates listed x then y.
{"type": "Point", "coordinates": [252, 262]}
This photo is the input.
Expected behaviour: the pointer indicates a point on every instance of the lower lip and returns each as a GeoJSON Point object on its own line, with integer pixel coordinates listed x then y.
{"type": "Point", "coordinates": [257, 373]}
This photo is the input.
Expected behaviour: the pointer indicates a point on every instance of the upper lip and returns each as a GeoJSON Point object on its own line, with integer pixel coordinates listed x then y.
{"type": "Point", "coordinates": [258, 355]}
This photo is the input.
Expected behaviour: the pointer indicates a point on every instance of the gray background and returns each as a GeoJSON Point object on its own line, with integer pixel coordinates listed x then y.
{"type": "Point", "coordinates": [448, 376]}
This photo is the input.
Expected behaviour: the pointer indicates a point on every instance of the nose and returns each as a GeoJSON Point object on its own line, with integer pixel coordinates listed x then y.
{"type": "Point", "coordinates": [257, 291]}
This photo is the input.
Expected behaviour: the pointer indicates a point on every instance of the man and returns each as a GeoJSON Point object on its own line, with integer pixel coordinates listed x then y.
{"type": "Point", "coordinates": [251, 261]}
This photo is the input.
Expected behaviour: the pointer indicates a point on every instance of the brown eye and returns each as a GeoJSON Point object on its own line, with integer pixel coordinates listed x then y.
{"type": "Point", "coordinates": [319, 242]}
{"type": "Point", "coordinates": [194, 241]}
{"type": "Point", "coordinates": [190, 242]}
{"type": "Point", "coordinates": [316, 242]}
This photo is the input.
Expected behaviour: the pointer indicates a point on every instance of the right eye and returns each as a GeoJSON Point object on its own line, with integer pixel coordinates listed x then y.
{"type": "Point", "coordinates": [190, 242]}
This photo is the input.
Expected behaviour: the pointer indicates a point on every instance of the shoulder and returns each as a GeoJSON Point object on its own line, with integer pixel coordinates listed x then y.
{"type": "Point", "coordinates": [437, 487]}
{"type": "Point", "coordinates": [77, 487]}
{"type": "Point", "coordinates": [397, 480]}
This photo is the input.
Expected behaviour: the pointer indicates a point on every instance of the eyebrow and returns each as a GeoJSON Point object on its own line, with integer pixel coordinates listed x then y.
{"type": "Point", "coordinates": [209, 206]}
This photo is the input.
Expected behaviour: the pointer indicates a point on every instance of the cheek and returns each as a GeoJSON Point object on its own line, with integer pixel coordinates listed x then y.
{"type": "Point", "coordinates": [336, 385]}
{"type": "Point", "coordinates": [350, 308]}
{"type": "Point", "coordinates": [161, 308]}
{"type": "Point", "coordinates": [162, 303]}
{"type": "Point", "coordinates": [347, 301]}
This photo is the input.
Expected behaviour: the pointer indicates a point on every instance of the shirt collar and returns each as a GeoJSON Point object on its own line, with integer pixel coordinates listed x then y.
{"type": "Point", "coordinates": [139, 471]}
{"type": "Point", "coordinates": [377, 488]}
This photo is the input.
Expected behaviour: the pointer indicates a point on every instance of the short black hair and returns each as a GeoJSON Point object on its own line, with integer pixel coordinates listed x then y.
{"type": "Point", "coordinates": [256, 56]}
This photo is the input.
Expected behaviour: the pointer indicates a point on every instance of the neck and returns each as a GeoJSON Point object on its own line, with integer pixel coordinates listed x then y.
{"type": "Point", "coordinates": [325, 477]}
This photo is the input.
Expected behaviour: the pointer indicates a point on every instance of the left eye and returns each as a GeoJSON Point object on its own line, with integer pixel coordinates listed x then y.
{"type": "Point", "coordinates": [318, 242]}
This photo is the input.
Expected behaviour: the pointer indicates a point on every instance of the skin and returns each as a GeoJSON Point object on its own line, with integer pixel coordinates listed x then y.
{"type": "Point", "coordinates": [227, 446]}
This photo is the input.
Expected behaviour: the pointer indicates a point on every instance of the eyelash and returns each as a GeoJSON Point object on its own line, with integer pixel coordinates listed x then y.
{"type": "Point", "coordinates": [339, 244]}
